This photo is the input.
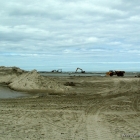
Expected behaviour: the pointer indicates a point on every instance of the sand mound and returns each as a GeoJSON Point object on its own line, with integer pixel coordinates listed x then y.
{"type": "Point", "coordinates": [8, 74]}
{"type": "Point", "coordinates": [21, 80]}
{"type": "Point", "coordinates": [32, 81]}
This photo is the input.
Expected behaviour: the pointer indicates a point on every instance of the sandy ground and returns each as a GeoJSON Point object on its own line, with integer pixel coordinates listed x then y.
{"type": "Point", "coordinates": [96, 108]}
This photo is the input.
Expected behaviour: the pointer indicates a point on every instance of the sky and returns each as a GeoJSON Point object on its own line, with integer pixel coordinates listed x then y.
{"type": "Point", "coordinates": [95, 35]}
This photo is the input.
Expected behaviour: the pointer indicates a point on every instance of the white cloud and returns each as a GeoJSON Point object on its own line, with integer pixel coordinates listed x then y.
{"type": "Point", "coordinates": [89, 29]}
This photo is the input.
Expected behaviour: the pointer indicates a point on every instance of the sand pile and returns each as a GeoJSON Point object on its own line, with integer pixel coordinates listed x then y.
{"type": "Point", "coordinates": [29, 81]}
{"type": "Point", "coordinates": [8, 74]}
{"type": "Point", "coordinates": [21, 80]}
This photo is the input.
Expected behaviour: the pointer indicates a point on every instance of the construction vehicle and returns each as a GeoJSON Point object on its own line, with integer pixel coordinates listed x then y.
{"type": "Point", "coordinates": [118, 73]}
{"type": "Point", "coordinates": [53, 71]}
{"type": "Point", "coordinates": [138, 75]}
{"type": "Point", "coordinates": [79, 69]}
{"type": "Point", "coordinates": [59, 70]}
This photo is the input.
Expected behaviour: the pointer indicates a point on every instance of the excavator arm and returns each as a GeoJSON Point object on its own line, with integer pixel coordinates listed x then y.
{"type": "Point", "coordinates": [80, 69]}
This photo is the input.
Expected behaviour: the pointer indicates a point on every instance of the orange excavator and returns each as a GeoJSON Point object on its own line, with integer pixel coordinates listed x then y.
{"type": "Point", "coordinates": [79, 69]}
{"type": "Point", "coordinates": [118, 73]}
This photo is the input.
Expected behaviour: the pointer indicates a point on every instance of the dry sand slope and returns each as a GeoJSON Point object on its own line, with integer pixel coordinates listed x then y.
{"type": "Point", "coordinates": [96, 108]}
{"type": "Point", "coordinates": [20, 80]}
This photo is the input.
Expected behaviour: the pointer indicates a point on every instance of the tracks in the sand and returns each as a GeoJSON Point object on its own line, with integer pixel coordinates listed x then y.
{"type": "Point", "coordinates": [105, 112]}
{"type": "Point", "coordinates": [96, 129]}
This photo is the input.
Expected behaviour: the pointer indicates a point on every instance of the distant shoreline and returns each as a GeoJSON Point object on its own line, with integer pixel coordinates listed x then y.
{"type": "Point", "coordinates": [89, 74]}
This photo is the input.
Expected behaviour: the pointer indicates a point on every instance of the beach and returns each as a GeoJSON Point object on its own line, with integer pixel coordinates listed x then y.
{"type": "Point", "coordinates": [69, 107]}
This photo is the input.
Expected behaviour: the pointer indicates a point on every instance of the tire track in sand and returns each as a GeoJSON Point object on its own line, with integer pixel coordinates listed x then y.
{"type": "Point", "coordinates": [96, 129]}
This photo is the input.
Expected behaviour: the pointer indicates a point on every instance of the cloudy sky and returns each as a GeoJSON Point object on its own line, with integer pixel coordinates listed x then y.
{"type": "Point", "coordinates": [95, 35]}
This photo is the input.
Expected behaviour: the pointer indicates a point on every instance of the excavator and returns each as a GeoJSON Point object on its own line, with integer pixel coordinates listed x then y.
{"type": "Point", "coordinates": [118, 73]}
{"type": "Point", "coordinates": [59, 70]}
{"type": "Point", "coordinates": [79, 69]}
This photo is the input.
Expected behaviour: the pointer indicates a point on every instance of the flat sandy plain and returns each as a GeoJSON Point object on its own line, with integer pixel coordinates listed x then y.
{"type": "Point", "coordinates": [96, 108]}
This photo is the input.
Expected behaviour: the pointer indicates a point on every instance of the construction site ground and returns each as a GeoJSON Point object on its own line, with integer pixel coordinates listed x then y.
{"type": "Point", "coordinates": [96, 108]}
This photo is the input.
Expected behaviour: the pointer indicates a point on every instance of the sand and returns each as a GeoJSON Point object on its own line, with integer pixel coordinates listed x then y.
{"type": "Point", "coordinates": [31, 81]}
{"type": "Point", "coordinates": [96, 108]}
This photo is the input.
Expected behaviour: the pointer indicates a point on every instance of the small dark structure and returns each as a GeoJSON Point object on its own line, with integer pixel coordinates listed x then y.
{"type": "Point", "coordinates": [59, 70]}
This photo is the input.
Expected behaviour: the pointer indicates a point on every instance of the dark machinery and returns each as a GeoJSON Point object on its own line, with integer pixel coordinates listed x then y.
{"type": "Point", "coordinates": [59, 70]}
{"type": "Point", "coordinates": [79, 69]}
{"type": "Point", "coordinates": [118, 73]}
